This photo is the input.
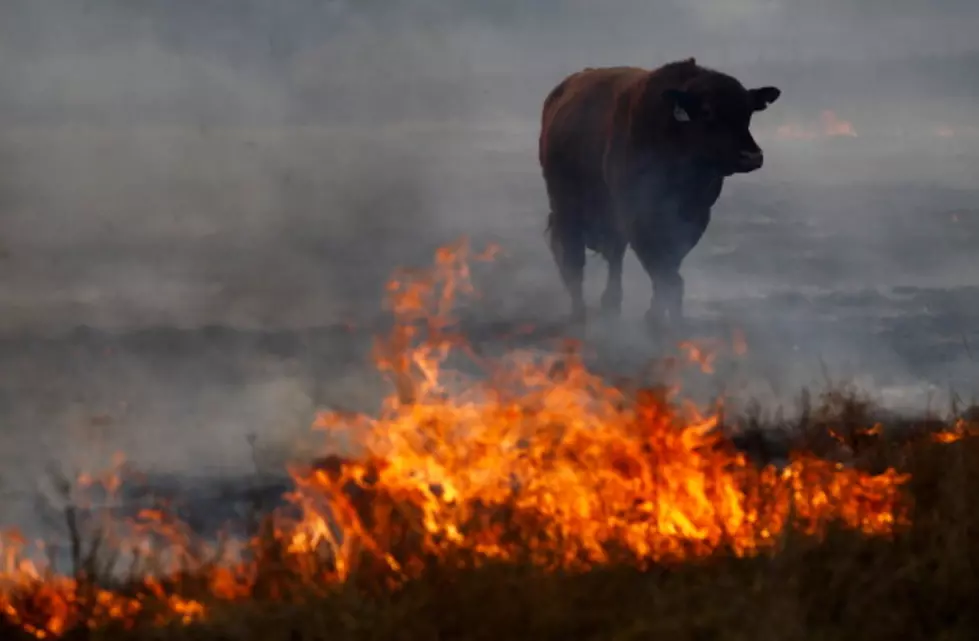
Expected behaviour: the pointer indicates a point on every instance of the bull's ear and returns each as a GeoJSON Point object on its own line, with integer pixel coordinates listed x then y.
{"type": "Point", "coordinates": [685, 105]}
{"type": "Point", "coordinates": [763, 96]}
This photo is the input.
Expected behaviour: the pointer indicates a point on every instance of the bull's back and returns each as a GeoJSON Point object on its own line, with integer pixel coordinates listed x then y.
{"type": "Point", "coordinates": [577, 119]}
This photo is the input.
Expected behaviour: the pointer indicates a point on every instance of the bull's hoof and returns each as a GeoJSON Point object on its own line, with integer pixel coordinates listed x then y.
{"type": "Point", "coordinates": [610, 315]}
{"type": "Point", "coordinates": [655, 320]}
{"type": "Point", "coordinates": [662, 327]}
{"type": "Point", "coordinates": [611, 308]}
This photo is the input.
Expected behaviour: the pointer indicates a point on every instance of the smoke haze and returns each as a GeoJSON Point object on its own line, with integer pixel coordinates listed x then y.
{"type": "Point", "coordinates": [257, 169]}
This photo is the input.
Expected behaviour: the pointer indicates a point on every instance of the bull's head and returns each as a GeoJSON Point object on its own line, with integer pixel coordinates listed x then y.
{"type": "Point", "coordinates": [712, 119]}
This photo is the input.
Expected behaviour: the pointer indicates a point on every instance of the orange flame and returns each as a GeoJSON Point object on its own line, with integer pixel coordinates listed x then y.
{"type": "Point", "coordinates": [830, 126]}
{"type": "Point", "coordinates": [833, 125]}
{"type": "Point", "coordinates": [962, 429]}
{"type": "Point", "coordinates": [536, 460]}
{"type": "Point", "coordinates": [574, 458]}
{"type": "Point", "coordinates": [946, 130]}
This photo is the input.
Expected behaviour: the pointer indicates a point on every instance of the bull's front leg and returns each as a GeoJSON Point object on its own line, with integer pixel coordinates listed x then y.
{"type": "Point", "coordinates": [666, 302]}
{"type": "Point", "coordinates": [662, 239]}
{"type": "Point", "coordinates": [668, 296]}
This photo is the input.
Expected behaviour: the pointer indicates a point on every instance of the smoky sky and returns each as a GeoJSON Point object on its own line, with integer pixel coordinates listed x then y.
{"type": "Point", "coordinates": [305, 59]}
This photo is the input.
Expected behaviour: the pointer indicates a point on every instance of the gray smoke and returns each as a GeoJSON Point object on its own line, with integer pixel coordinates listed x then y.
{"type": "Point", "coordinates": [253, 166]}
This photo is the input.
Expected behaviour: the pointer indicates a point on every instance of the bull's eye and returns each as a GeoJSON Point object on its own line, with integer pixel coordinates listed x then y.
{"type": "Point", "coordinates": [680, 114]}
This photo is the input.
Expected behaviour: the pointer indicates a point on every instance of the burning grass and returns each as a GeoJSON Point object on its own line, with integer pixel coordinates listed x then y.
{"type": "Point", "coordinates": [538, 501]}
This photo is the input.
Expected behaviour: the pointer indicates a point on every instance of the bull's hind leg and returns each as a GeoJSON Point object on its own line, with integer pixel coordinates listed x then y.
{"type": "Point", "coordinates": [567, 240]}
{"type": "Point", "coordinates": [614, 252]}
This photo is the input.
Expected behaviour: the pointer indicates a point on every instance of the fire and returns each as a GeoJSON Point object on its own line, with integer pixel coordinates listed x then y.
{"type": "Point", "coordinates": [946, 130]}
{"type": "Point", "coordinates": [46, 605]}
{"type": "Point", "coordinates": [960, 430]}
{"type": "Point", "coordinates": [830, 126]}
{"type": "Point", "coordinates": [833, 125]}
{"type": "Point", "coordinates": [589, 471]}
{"type": "Point", "coordinates": [536, 460]}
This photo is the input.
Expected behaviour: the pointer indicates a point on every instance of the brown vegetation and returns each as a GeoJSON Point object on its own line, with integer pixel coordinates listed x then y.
{"type": "Point", "coordinates": [542, 504]}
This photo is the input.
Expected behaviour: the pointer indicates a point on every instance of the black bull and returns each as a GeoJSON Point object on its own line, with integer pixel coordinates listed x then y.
{"type": "Point", "coordinates": [634, 157]}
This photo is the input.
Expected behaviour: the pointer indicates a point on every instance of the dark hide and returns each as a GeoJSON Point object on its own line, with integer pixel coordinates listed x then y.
{"type": "Point", "coordinates": [633, 157]}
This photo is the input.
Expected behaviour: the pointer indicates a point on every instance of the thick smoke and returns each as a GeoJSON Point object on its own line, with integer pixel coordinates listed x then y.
{"type": "Point", "coordinates": [259, 168]}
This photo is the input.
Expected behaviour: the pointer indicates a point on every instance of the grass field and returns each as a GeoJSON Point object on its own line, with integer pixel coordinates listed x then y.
{"type": "Point", "coordinates": [917, 583]}
{"type": "Point", "coordinates": [544, 503]}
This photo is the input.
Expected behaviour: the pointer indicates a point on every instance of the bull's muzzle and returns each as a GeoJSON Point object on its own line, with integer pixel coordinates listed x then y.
{"type": "Point", "coordinates": [750, 161]}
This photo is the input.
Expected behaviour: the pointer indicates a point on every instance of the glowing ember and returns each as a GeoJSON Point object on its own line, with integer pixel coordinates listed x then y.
{"type": "Point", "coordinates": [833, 125]}
{"type": "Point", "coordinates": [830, 126]}
{"type": "Point", "coordinates": [962, 429]}
{"type": "Point", "coordinates": [539, 460]}
{"type": "Point", "coordinates": [46, 605]}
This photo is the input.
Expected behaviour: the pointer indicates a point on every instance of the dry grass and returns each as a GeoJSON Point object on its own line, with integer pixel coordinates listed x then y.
{"type": "Point", "coordinates": [596, 486]}
{"type": "Point", "coordinates": [919, 584]}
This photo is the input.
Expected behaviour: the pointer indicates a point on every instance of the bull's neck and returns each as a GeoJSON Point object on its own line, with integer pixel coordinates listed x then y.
{"type": "Point", "coordinates": [692, 173]}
